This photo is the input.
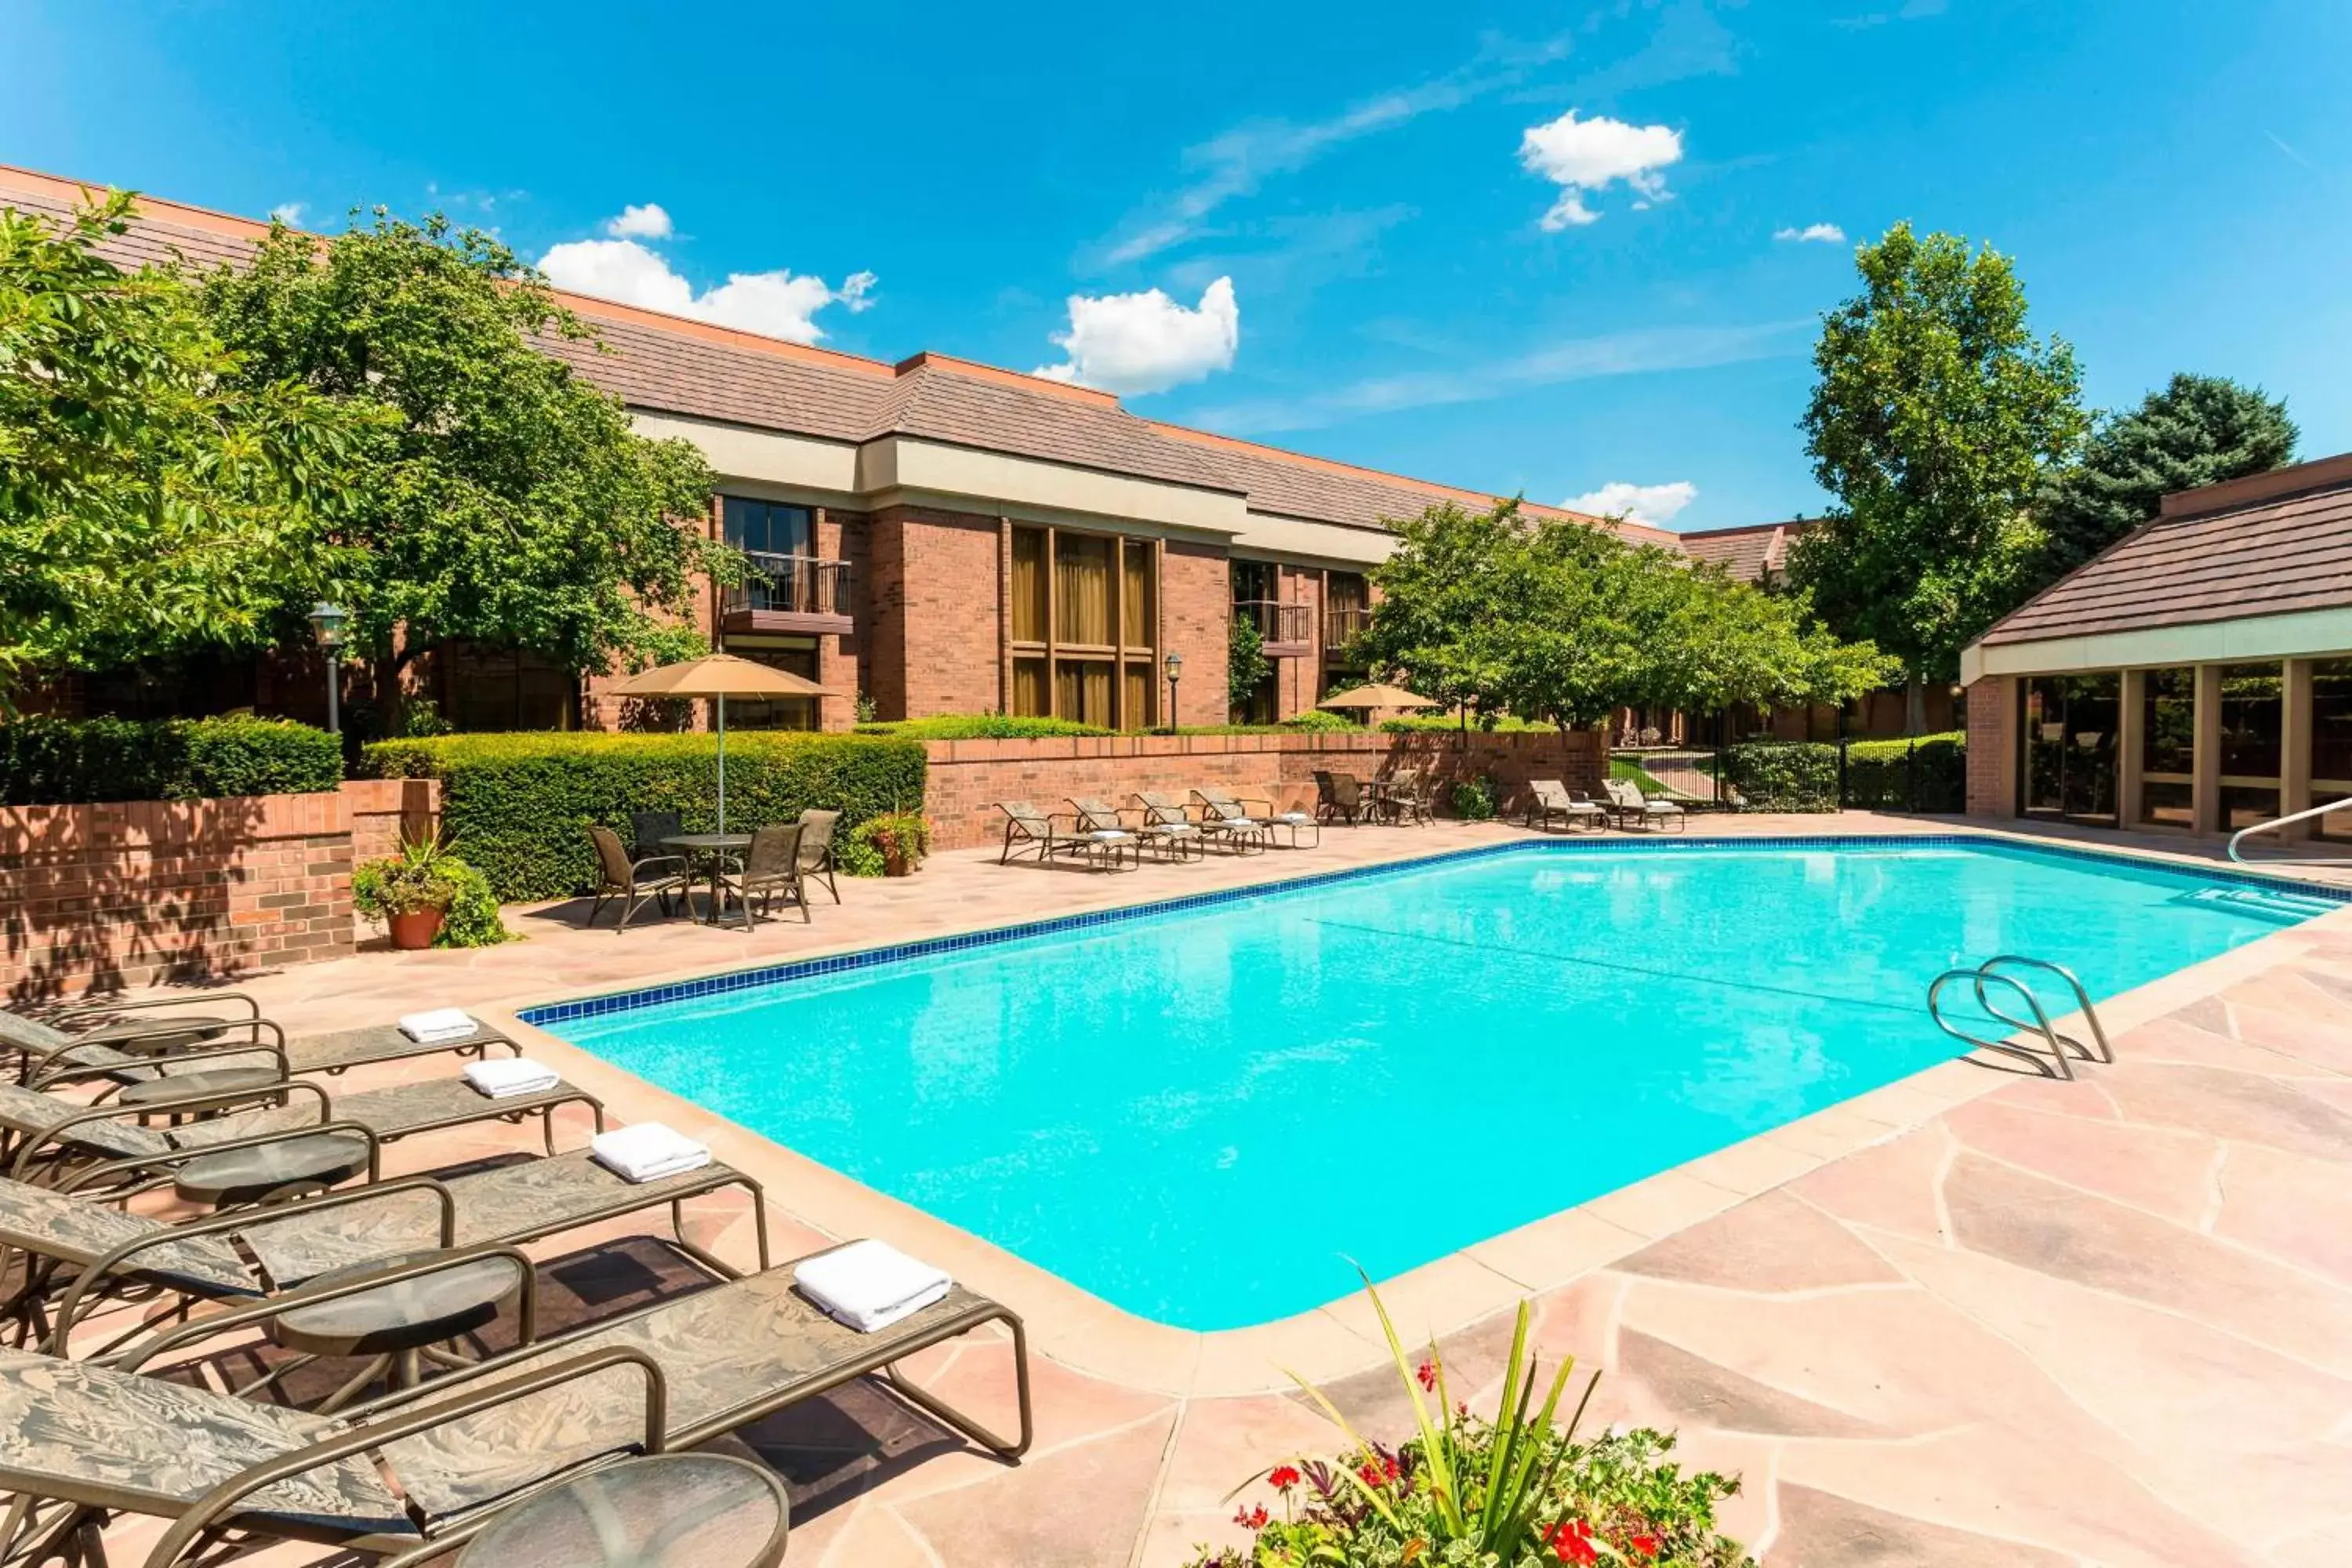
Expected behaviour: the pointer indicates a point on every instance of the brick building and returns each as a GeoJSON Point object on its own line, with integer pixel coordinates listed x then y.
{"type": "Point", "coordinates": [937, 535]}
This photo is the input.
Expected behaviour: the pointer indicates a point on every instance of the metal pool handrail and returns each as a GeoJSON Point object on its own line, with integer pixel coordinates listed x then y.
{"type": "Point", "coordinates": [2277, 822]}
{"type": "Point", "coordinates": [2105, 1052]}
{"type": "Point", "coordinates": [2058, 1064]}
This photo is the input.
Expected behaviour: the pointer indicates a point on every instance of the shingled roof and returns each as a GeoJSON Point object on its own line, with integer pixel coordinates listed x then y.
{"type": "Point", "coordinates": [1751, 553]}
{"type": "Point", "coordinates": [2265, 545]}
{"type": "Point", "coordinates": [666, 364]}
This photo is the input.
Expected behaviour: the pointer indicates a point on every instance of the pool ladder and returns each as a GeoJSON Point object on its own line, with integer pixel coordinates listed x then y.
{"type": "Point", "coordinates": [1989, 976]}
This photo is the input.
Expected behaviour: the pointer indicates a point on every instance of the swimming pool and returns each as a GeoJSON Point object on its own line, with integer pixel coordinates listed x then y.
{"type": "Point", "coordinates": [1201, 1114]}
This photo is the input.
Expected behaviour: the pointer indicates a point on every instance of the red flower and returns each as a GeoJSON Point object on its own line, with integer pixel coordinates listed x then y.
{"type": "Point", "coordinates": [1427, 1372]}
{"type": "Point", "coordinates": [1284, 1477]}
{"type": "Point", "coordinates": [1390, 1465]}
{"type": "Point", "coordinates": [1251, 1518]}
{"type": "Point", "coordinates": [1647, 1545]}
{"type": "Point", "coordinates": [1370, 1474]}
{"type": "Point", "coordinates": [1571, 1541]}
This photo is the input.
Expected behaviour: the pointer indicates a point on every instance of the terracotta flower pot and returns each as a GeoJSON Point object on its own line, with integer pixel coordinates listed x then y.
{"type": "Point", "coordinates": [896, 861]}
{"type": "Point", "coordinates": [414, 931]}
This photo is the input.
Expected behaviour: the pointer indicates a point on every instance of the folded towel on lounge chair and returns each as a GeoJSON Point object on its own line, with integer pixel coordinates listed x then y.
{"type": "Point", "coordinates": [1295, 818]}
{"type": "Point", "coordinates": [510, 1076]}
{"type": "Point", "coordinates": [647, 1151]}
{"type": "Point", "coordinates": [440, 1023]}
{"type": "Point", "coordinates": [870, 1285]}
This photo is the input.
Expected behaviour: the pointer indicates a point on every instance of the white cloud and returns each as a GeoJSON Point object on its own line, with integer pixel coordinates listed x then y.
{"type": "Point", "coordinates": [288, 213]}
{"type": "Point", "coordinates": [647, 221]}
{"type": "Point", "coordinates": [1653, 504]}
{"type": "Point", "coordinates": [1129, 344]}
{"type": "Point", "coordinates": [1813, 233]}
{"type": "Point", "coordinates": [1582, 156]}
{"type": "Point", "coordinates": [778, 304]}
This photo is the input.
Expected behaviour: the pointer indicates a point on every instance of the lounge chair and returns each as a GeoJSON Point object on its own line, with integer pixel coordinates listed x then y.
{"type": "Point", "coordinates": [816, 859]}
{"type": "Point", "coordinates": [1025, 824]}
{"type": "Point", "coordinates": [81, 1251]}
{"type": "Point", "coordinates": [1239, 813]}
{"type": "Point", "coordinates": [1339, 798]}
{"type": "Point", "coordinates": [634, 882]}
{"type": "Point", "coordinates": [1096, 815]}
{"type": "Point", "coordinates": [1226, 819]}
{"type": "Point", "coordinates": [1631, 806]}
{"type": "Point", "coordinates": [1549, 799]}
{"type": "Point", "coordinates": [50, 1056]}
{"type": "Point", "coordinates": [771, 865]}
{"type": "Point", "coordinates": [47, 1132]}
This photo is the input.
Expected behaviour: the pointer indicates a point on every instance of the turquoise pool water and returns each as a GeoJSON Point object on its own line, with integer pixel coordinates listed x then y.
{"type": "Point", "coordinates": [1201, 1116]}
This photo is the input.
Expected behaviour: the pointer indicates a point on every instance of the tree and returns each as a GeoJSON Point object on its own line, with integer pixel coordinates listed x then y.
{"type": "Point", "coordinates": [504, 501]}
{"type": "Point", "coordinates": [1439, 604]}
{"type": "Point", "coordinates": [2198, 430]}
{"type": "Point", "coordinates": [155, 490]}
{"type": "Point", "coordinates": [1245, 662]}
{"type": "Point", "coordinates": [1934, 417]}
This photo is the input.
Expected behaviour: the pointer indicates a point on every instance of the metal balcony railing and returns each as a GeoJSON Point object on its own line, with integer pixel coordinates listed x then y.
{"type": "Point", "coordinates": [1276, 622]}
{"type": "Point", "coordinates": [1341, 627]}
{"type": "Point", "coordinates": [798, 585]}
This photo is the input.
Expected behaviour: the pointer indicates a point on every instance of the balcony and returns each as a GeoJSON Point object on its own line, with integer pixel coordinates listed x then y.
{"type": "Point", "coordinates": [1341, 627]}
{"type": "Point", "coordinates": [1287, 630]}
{"type": "Point", "coordinates": [798, 595]}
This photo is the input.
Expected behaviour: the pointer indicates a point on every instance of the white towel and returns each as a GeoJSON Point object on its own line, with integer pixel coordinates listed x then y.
{"type": "Point", "coordinates": [1111, 836]}
{"type": "Point", "coordinates": [870, 1285]}
{"type": "Point", "coordinates": [1294, 817]}
{"type": "Point", "coordinates": [511, 1076]}
{"type": "Point", "coordinates": [647, 1152]}
{"type": "Point", "coordinates": [441, 1024]}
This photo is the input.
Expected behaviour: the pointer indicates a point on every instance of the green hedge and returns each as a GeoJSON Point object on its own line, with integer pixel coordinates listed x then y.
{"type": "Point", "coordinates": [1874, 774]}
{"type": "Point", "coordinates": [1784, 775]}
{"type": "Point", "coordinates": [979, 727]}
{"type": "Point", "coordinates": [55, 761]}
{"type": "Point", "coordinates": [518, 807]}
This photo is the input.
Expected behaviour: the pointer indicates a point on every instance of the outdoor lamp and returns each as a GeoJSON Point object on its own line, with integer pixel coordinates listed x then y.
{"type": "Point", "coordinates": [1175, 666]}
{"type": "Point", "coordinates": [328, 620]}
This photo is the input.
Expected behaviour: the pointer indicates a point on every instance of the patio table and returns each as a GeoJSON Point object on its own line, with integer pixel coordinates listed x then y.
{"type": "Point", "coordinates": [664, 1510]}
{"type": "Point", "coordinates": [712, 849]}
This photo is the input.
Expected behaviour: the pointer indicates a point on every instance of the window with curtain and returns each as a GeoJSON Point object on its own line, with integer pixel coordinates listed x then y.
{"type": "Point", "coordinates": [1081, 590]}
{"type": "Point", "coordinates": [1141, 687]}
{"type": "Point", "coordinates": [1137, 615]}
{"type": "Point", "coordinates": [1031, 698]}
{"type": "Point", "coordinates": [1081, 690]}
{"type": "Point", "coordinates": [1028, 585]}
{"type": "Point", "coordinates": [768, 527]}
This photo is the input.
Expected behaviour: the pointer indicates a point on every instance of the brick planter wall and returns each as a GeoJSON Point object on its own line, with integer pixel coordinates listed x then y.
{"type": "Point", "coordinates": [96, 897]}
{"type": "Point", "coordinates": [967, 777]}
{"type": "Point", "coordinates": [1992, 747]}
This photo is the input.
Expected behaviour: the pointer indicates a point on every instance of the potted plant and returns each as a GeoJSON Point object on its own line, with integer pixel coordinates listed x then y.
{"type": "Point", "coordinates": [410, 892]}
{"type": "Point", "coordinates": [904, 838]}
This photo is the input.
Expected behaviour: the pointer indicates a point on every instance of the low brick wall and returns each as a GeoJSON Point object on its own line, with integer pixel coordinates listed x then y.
{"type": "Point", "coordinates": [967, 777]}
{"type": "Point", "coordinates": [97, 897]}
{"type": "Point", "coordinates": [384, 812]}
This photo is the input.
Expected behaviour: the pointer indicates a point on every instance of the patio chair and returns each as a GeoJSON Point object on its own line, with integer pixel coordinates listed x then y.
{"type": "Point", "coordinates": [816, 860]}
{"type": "Point", "coordinates": [1235, 819]}
{"type": "Point", "coordinates": [1632, 807]}
{"type": "Point", "coordinates": [1339, 798]}
{"type": "Point", "coordinates": [1549, 799]}
{"type": "Point", "coordinates": [649, 828]}
{"type": "Point", "coordinates": [1407, 797]}
{"type": "Point", "coordinates": [49, 1056]}
{"type": "Point", "coordinates": [771, 865]}
{"type": "Point", "coordinates": [48, 1133]}
{"type": "Point", "coordinates": [1099, 819]}
{"type": "Point", "coordinates": [632, 882]}
{"type": "Point", "coordinates": [1024, 824]}
{"type": "Point", "coordinates": [79, 1252]}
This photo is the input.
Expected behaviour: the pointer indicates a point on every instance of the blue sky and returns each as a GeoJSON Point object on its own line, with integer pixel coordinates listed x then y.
{"type": "Point", "coordinates": [1370, 182]}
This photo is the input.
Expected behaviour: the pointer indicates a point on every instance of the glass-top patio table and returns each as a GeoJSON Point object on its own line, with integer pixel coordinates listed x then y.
{"type": "Point", "coordinates": [713, 849]}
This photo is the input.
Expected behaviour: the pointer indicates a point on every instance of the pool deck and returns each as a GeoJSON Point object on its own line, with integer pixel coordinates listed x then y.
{"type": "Point", "coordinates": [1970, 1318]}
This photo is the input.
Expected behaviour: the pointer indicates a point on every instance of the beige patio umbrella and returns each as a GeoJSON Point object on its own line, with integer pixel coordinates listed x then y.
{"type": "Point", "coordinates": [719, 676]}
{"type": "Point", "coordinates": [1369, 697]}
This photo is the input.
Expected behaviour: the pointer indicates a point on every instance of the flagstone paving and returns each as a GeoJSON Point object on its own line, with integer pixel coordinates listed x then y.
{"type": "Point", "coordinates": [1976, 1319]}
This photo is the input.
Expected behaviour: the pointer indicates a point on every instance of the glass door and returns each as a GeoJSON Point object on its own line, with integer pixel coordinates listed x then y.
{"type": "Point", "coordinates": [2070, 746]}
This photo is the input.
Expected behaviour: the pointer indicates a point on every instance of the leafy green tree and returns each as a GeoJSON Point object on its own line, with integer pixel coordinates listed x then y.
{"type": "Point", "coordinates": [1440, 597]}
{"type": "Point", "coordinates": [1934, 417]}
{"type": "Point", "coordinates": [1245, 661]}
{"type": "Point", "coordinates": [2196, 430]}
{"type": "Point", "coordinates": [156, 491]}
{"type": "Point", "coordinates": [504, 499]}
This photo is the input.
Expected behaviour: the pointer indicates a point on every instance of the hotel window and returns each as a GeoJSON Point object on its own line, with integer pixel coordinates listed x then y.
{"type": "Point", "coordinates": [2167, 748]}
{"type": "Point", "coordinates": [796, 656]}
{"type": "Point", "coordinates": [768, 528]}
{"type": "Point", "coordinates": [2331, 741]}
{"type": "Point", "coordinates": [1084, 619]}
{"type": "Point", "coordinates": [498, 688]}
{"type": "Point", "coordinates": [2254, 703]}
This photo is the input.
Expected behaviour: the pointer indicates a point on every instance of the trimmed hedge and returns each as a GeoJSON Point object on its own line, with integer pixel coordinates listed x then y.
{"type": "Point", "coordinates": [518, 807]}
{"type": "Point", "coordinates": [1874, 774]}
{"type": "Point", "coordinates": [979, 727]}
{"type": "Point", "coordinates": [1784, 775]}
{"type": "Point", "coordinates": [60, 762]}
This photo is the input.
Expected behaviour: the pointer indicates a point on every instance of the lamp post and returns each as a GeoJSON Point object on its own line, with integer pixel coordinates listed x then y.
{"type": "Point", "coordinates": [1175, 667]}
{"type": "Point", "coordinates": [328, 620]}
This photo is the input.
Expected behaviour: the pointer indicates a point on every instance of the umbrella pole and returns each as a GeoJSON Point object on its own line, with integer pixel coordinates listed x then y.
{"type": "Point", "coordinates": [722, 762]}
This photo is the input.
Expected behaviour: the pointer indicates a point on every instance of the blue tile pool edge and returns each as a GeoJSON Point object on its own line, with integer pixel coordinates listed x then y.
{"type": "Point", "coordinates": [543, 1014]}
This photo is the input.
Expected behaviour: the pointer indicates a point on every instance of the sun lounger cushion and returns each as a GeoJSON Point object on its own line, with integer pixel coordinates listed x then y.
{"type": "Point", "coordinates": [870, 1285]}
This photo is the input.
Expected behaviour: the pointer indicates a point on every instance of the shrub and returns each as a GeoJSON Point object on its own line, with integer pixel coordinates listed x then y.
{"type": "Point", "coordinates": [1875, 770]}
{"type": "Point", "coordinates": [909, 830]}
{"type": "Point", "coordinates": [979, 727]}
{"type": "Point", "coordinates": [1449, 724]}
{"type": "Point", "coordinates": [424, 875]}
{"type": "Point", "coordinates": [1474, 800]}
{"type": "Point", "coordinates": [1314, 722]}
{"type": "Point", "coordinates": [1784, 775]}
{"type": "Point", "coordinates": [1516, 1491]}
{"type": "Point", "coordinates": [52, 761]}
{"type": "Point", "coordinates": [520, 806]}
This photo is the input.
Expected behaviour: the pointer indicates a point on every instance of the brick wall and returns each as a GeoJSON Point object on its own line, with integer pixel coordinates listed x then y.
{"type": "Point", "coordinates": [967, 777]}
{"type": "Point", "coordinates": [1297, 682]}
{"type": "Point", "coordinates": [934, 613]}
{"type": "Point", "coordinates": [96, 897]}
{"type": "Point", "coordinates": [384, 812]}
{"type": "Point", "coordinates": [1196, 609]}
{"type": "Point", "coordinates": [1992, 747]}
